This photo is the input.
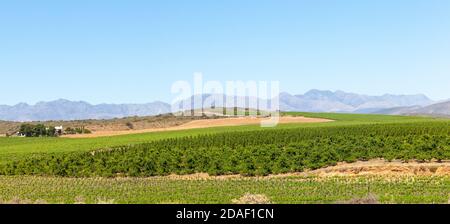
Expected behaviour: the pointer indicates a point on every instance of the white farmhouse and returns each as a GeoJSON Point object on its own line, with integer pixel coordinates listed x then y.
{"type": "Point", "coordinates": [59, 130]}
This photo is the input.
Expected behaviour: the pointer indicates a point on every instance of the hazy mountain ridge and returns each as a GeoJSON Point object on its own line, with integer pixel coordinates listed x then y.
{"type": "Point", "coordinates": [437, 109]}
{"type": "Point", "coordinates": [339, 101]}
{"type": "Point", "coordinates": [311, 101]}
{"type": "Point", "coordinates": [318, 101]}
{"type": "Point", "coordinates": [71, 110]}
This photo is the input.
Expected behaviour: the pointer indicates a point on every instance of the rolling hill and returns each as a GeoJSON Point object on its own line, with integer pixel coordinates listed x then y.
{"type": "Point", "coordinates": [439, 109]}
{"type": "Point", "coordinates": [436, 110]}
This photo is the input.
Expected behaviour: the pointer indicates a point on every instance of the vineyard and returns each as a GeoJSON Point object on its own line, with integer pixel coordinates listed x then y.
{"type": "Point", "coordinates": [249, 153]}
{"type": "Point", "coordinates": [19, 148]}
{"type": "Point", "coordinates": [168, 190]}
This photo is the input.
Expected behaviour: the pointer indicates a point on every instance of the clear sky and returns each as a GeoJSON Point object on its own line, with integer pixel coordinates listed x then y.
{"type": "Point", "coordinates": [107, 51]}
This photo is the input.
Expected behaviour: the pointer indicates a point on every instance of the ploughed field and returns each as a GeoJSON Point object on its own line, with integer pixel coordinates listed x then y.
{"type": "Point", "coordinates": [137, 168]}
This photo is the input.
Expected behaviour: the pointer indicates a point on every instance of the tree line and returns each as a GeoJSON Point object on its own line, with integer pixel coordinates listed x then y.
{"type": "Point", "coordinates": [40, 130]}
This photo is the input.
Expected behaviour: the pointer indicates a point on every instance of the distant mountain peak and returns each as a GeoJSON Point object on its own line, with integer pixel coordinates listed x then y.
{"type": "Point", "coordinates": [317, 91]}
{"type": "Point", "coordinates": [21, 105]}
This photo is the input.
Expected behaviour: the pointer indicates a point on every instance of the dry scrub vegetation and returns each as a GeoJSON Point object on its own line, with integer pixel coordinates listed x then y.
{"type": "Point", "coordinates": [119, 124]}
{"type": "Point", "coordinates": [252, 199]}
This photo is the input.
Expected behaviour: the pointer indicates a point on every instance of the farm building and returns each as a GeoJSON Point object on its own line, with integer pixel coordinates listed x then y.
{"type": "Point", "coordinates": [59, 130]}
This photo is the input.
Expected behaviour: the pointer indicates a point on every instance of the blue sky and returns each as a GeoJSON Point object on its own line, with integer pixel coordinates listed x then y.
{"type": "Point", "coordinates": [132, 51]}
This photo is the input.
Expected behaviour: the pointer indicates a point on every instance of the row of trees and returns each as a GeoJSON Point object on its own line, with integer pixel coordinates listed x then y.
{"type": "Point", "coordinates": [78, 130]}
{"type": "Point", "coordinates": [249, 153]}
{"type": "Point", "coordinates": [38, 130]}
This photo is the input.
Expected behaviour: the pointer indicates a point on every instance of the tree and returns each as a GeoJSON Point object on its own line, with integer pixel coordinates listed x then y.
{"type": "Point", "coordinates": [130, 125]}
{"type": "Point", "coordinates": [51, 132]}
{"type": "Point", "coordinates": [39, 130]}
{"type": "Point", "coordinates": [70, 131]}
{"type": "Point", "coordinates": [26, 130]}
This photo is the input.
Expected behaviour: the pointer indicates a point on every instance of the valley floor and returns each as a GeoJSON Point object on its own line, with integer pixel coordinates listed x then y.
{"type": "Point", "coordinates": [349, 137]}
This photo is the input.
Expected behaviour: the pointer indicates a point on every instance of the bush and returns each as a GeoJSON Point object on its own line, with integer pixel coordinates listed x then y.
{"type": "Point", "coordinates": [77, 130]}
{"type": "Point", "coordinates": [130, 125]}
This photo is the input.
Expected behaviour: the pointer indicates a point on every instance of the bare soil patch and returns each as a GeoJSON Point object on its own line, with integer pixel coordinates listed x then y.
{"type": "Point", "coordinates": [370, 199]}
{"type": "Point", "coordinates": [204, 123]}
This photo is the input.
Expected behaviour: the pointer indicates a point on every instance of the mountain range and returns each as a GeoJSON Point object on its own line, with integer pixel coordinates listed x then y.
{"type": "Point", "coordinates": [311, 101]}
{"type": "Point", "coordinates": [438, 110]}
{"type": "Point", "coordinates": [71, 110]}
{"type": "Point", "coordinates": [339, 101]}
